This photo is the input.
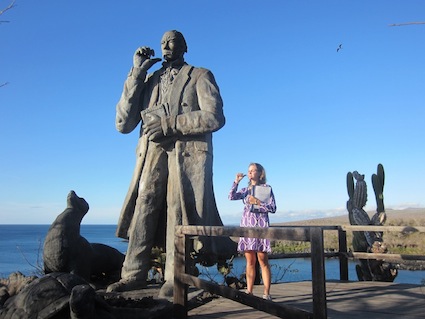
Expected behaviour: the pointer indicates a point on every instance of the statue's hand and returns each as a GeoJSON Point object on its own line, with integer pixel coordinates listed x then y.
{"type": "Point", "coordinates": [153, 129]}
{"type": "Point", "coordinates": [142, 58]}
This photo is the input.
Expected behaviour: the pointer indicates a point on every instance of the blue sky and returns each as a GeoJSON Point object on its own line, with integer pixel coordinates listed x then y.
{"type": "Point", "coordinates": [308, 113]}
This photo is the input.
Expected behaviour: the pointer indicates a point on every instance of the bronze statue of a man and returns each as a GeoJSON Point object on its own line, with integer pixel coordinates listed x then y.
{"type": "Point", "coordinates": [179, 107]}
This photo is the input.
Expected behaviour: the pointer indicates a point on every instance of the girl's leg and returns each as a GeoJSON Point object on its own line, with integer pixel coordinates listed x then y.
{"type": "Point", "coordinates": [250, 270]}
{"type": "Point", "coordinates": [263, 259]}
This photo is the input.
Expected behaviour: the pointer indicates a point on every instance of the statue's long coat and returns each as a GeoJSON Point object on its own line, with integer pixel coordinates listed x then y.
{"type": "Point", "coordinates": [197, 107]}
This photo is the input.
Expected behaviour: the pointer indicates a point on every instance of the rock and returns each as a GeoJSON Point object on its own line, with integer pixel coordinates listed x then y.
{"type": "Point", "coordinates": [13, 284]}
{"type": "Point", "coordinates": [50, 296]}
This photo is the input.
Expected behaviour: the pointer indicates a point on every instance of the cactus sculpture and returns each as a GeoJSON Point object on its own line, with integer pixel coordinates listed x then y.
{"type": "Point", "coordinates": [368, 269]}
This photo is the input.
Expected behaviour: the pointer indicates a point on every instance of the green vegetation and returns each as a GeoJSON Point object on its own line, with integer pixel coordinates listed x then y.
{"type": "Point", "coordinates": [287, 247]}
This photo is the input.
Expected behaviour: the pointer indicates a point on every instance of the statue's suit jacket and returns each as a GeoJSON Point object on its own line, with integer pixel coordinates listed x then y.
{"type": "Point", "coordinates": [196, 109]}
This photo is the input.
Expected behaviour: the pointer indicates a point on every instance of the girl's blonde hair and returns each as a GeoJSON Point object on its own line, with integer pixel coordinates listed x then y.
{"type": "Point", "coordinates": [262, 171]}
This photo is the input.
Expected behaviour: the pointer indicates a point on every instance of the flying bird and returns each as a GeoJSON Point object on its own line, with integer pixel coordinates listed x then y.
{"type": "Point", "coordinates": [339, 48]}
{"type": "Point", "coordinates": [406, 23]}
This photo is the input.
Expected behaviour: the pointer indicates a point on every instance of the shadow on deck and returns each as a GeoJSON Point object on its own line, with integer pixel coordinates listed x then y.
{"type": "Point", "coordinates": [344, 300]}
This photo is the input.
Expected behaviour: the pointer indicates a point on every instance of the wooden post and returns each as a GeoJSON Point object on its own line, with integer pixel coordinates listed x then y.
{"type": "Point", "coordinates": [180, 289]}
{"type": "Point", "coordinates": [343, 259]}
{"type": "Point", "coordinates": [318, 273]}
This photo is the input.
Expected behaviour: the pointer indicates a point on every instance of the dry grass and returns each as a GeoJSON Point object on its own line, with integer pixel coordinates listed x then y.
{"type": "Point", "coordinates": [393, 216]}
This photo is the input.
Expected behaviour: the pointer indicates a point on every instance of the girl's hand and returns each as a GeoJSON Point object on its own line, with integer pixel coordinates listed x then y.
{"type": "Point", "coordinates": [239, 177]}
{"type": "Point", "coordinates": [253, 201]}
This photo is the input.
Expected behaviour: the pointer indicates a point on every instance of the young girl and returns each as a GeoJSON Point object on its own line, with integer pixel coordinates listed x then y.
{"type": "Point", "coordinates": [255, 214]}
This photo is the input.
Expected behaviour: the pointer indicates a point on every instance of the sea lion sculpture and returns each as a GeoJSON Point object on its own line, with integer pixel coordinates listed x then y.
{"type": "Point", "coordinates": [65, 250]}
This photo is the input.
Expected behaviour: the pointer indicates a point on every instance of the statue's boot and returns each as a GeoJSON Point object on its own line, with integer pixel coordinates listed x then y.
{"type": "Point", "coordinates": [167, 290]}
{"type": "Point", "coordinates": [127, 284]}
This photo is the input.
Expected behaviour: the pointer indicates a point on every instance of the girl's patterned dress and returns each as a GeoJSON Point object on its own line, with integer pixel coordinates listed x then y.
{"type": "Point", "coordinates": [257, 218]}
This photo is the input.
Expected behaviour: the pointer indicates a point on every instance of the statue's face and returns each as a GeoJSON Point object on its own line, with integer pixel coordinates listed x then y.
{"type": "Point", "coordinates": [172, 46]}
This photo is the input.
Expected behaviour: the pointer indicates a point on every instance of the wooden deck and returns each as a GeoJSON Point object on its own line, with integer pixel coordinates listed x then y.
{"type": "Point", "coordinates": [344, 300]}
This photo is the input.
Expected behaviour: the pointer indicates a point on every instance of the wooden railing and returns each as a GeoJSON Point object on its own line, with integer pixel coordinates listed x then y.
{"type": "Point", "coordinates": [312, 234]}
{"type": "Point", "coordinates": [182, 279]}
{"type": "Point", "coordinates": [344, 255]}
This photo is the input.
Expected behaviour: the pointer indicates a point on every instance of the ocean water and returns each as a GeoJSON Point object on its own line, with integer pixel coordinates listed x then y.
{"type": "Point", "coordinates": [299, 269]}
{"type": "Point", "coordinates": [21, 249]}
{"type": "Point", "coordinates": [21, 246]}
